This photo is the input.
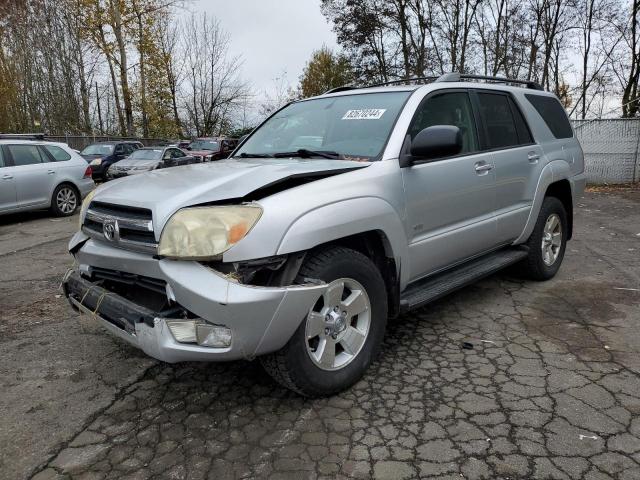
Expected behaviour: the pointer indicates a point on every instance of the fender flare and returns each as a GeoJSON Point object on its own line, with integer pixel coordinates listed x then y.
{"type": "Point", "coordinates": [552, 172]}
{"type": "Point", "coordinates": [343, 219]}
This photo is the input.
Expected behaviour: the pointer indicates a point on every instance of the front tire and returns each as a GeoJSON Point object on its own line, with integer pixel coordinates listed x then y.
{"type": "Point", "coordinates": [339, 338]}
{"type": "Point", "coordinates": [547, 242]}
{"type": "Point", "coordinates": [65, 200]}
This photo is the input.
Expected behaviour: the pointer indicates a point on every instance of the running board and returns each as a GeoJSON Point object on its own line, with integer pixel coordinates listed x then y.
{"type": "Point", "coordinates": [432, 288]}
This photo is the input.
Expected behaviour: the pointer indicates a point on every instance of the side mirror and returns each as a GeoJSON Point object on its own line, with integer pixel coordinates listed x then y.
{"type": "Point", "coordinates": [434, 142]}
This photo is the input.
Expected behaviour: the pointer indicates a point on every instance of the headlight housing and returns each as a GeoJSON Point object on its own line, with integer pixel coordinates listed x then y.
{"type": "Point", "coordinates": [85, 206]}
{"type": "Point", "coordinates": [96, 161]}
{"type": "Point", "coordinates": [204, 233]}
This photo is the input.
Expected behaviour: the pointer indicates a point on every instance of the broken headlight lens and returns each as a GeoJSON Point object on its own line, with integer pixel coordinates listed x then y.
{"type": "Point", "coordinates": [203, 233]}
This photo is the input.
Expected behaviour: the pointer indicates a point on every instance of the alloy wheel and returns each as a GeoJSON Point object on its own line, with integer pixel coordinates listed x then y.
{"type": "Point", "coordinates": [66, 200]}
{"type": "Point", "coordinates": [338, 325]}
{"type": "Point", "coordinates": [551, 239]}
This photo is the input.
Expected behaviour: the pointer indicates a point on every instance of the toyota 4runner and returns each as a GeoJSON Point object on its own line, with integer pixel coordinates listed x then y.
{"type": "Point", "coordinates": [338, 212]}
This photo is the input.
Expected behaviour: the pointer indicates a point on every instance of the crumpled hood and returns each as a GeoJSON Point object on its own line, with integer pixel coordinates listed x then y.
{"type": "Point", "coordinates": [166, 190]}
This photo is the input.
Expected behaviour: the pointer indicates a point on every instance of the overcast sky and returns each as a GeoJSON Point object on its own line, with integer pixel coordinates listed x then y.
{"type": "Point", "coordinates": [272, 36]}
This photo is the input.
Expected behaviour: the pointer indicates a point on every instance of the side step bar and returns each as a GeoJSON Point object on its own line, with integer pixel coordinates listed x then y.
{"type": "Point", "coordinates": [432, 288]}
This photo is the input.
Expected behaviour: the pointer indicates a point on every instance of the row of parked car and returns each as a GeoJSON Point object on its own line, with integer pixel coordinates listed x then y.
{"type": "Point", "coordinates": [35, 174]}
{"type": "Point", "coordinates": [109, 160]}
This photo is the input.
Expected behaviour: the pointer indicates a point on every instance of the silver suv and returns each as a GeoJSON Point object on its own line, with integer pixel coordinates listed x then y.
{"type": "Point", "coordinates": [338, 212]}
{"type": "Point", "coordinates": [37, 174]}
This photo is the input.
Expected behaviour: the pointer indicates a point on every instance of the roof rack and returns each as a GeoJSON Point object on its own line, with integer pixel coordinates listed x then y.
{"type": "Point", "coordinates": [447, 77]}
{"type": "Point", "coordinates": [458, 77]}
{"type": "Point", "coordinates": [402, 81]}
{"type": "Point", "coordinates": [21, 136]}
{"type": "Point", "coordinates": [342, 88]}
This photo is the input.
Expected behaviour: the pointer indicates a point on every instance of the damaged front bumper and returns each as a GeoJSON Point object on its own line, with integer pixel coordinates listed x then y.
{"type": "Point", "coordinates": [260, 319]}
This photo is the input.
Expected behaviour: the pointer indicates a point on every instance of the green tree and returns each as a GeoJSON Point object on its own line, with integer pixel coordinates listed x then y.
{"type": "Point", "coordinates": [324, 71]}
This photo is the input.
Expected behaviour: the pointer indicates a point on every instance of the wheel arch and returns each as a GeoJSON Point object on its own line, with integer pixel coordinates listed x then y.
{"type": "Point", "coordinates": [62, 183]}
{"type": "Point", "coordinates": [554, 181]}
{"type": "Point", "coordinates": [375, 245]}
{"type": "Point", "coordinates": [562, 191]}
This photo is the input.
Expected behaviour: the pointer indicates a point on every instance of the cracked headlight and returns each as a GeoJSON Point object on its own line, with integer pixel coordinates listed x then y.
{"type": "Point", "coordinates": [203, 233]}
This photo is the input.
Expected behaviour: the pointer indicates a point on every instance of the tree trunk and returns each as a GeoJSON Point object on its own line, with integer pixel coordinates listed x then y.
{"type": "Point", "coordinates": [124, 80]}
{"type": "Point", "coordinates": [99, 111]}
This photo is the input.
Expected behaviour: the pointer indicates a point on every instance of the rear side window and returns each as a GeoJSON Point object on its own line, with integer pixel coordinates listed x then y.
{"type": "Point", "coordinates": [2, 164]}
{"type": "Point", "coordinates": [500, 127]}
{"type": "Point", "coordinates": [25, 154]}
{"type": "Point", "coordinates": [58, 154]}
{"type": "Point", "coordinates": [553, 115]}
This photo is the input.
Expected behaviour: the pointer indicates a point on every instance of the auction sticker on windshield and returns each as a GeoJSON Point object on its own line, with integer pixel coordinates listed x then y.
{"type": "Point", "coordinates": [365, 114]}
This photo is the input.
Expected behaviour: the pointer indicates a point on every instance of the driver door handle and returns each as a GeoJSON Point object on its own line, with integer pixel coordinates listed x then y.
{"type": "Point", "coordinates": [483, 167]}
{"type": "Point", "coordinates": [7, 177]}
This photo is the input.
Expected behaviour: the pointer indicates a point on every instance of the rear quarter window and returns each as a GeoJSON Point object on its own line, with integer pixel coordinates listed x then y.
{"type": "Point", "coordinates": [553, 115]}
{"type": "Point", "coordinates": [58, 154]}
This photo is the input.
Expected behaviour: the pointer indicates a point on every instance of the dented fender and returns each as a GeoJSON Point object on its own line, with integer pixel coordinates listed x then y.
{"type": "Point", "coordinates": [77, 241]}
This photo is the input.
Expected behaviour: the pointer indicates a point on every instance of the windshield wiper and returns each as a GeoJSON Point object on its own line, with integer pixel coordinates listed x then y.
{"type": "Point", "coordinates": [254, 155]}
{"type": "Point", "coordinates": [304, 153]}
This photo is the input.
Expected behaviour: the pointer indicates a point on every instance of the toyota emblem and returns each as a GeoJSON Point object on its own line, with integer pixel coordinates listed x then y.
{"type": "Point", "coordinates": [109, 230]}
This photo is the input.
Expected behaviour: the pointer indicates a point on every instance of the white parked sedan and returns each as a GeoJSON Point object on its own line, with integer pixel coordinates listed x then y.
{"type": "Point", "coordinates": [36, 175]}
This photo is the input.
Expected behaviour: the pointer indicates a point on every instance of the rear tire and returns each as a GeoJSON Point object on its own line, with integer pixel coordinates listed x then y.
{"type": "Point", "coordinates": [547, 242]}
{"type": "Point", "coordinates": [335, 344]}
{"type": "Point", "coordinates": [65, 200]}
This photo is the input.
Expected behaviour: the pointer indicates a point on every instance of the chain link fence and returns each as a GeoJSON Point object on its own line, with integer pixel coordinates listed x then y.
{"type": "Point", "coordinates": [80, 141]}
{"type": "Point", "coordinates": [611, 149]}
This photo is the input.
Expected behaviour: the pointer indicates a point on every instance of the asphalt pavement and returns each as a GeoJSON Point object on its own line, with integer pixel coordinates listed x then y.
{"type": "Point", "coordinates": [549, 388]}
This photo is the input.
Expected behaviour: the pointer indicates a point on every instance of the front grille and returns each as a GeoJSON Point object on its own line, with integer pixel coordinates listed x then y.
{"type": "Point", "coordinates": [126, 227]}
{"type": "Point", "coordinates": [153, 284]}
{"type": "Point", "coordinates": [122, 211]}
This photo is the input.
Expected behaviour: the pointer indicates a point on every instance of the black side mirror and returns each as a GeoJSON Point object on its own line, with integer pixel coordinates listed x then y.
{"type": "Point", "coordinates": [434, 142]}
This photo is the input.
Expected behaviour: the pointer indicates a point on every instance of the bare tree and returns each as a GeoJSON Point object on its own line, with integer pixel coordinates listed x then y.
{"type": "Point", "coordinates": [627, 65]}
{"type": "Point", "coordinates": [172, 62]}
{"type": "Point", "coordinates": [212, 82]}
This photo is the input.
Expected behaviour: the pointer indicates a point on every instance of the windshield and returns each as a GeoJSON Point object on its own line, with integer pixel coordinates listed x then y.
{"type": "Point", "coordinates": [98, 149]}
{"type": "Point", "coordinates": [204, 145]}
{"type": "Point", "coordinates": [353, 126]}
{"type": "Point", "coordinates": [145, 154]}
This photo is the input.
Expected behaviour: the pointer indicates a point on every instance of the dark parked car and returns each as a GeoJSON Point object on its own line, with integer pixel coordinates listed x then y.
{"type": "Point", "coordinates": [150, 158]}
{"type": "Point", "coordinates": [135, 144]}
{"type": "Point", "coordinates": [213, 148]}
{"type": "Point", "coordinates": [102, 155]}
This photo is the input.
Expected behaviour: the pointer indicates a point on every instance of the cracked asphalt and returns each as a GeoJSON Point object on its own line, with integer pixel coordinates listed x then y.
{"type": "Point", "coordinates": [550, 387]}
